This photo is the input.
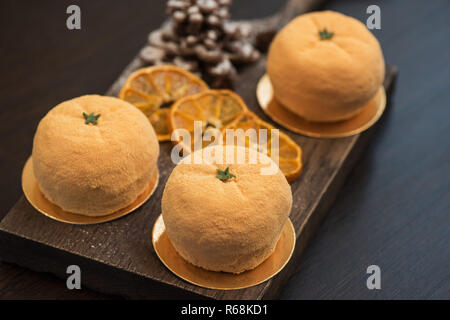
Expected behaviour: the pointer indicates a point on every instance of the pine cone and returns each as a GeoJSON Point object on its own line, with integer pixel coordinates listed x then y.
{"type": "Point", "coordinates": [201, 39]}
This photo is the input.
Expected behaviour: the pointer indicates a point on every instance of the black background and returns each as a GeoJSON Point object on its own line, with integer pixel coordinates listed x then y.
{"type": "Point", "coordinates": [394, 210]}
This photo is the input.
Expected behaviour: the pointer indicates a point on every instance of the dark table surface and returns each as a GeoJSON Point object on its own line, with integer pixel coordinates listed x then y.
{"type": "Point", "coordinates": [394, 210]}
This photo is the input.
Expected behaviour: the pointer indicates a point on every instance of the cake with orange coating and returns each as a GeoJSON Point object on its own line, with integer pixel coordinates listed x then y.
{"type": "Point", "coordinates": [94, 155]}
{"type": "Point", "coordinates": [224, 215]}
{"type": "Point", "coordinates": [325, 66]}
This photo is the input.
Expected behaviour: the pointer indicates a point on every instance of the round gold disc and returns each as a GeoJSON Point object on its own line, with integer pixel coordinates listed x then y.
{"type": "Point", "coordinates": [369, 114]}
{"type": "Point", "coordinates": [222, 280]}
{"type": "Point", "coordinates": [37, 199]}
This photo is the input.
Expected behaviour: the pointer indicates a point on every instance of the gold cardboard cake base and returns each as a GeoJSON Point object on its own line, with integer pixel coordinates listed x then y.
{"type": "Point", "coordinates": [37, 199]}
{"type": "Point", "coordinates": [222, 280]}
{"type": "Point", "coordinates": [369, 114]}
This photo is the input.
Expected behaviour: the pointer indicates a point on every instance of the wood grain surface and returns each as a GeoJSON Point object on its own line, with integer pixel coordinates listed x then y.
{"type": "Point", "coordinates": [393, 211]}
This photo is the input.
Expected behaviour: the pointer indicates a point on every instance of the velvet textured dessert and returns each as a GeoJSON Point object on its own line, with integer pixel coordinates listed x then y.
{"type": "Point", "coordinates": [94, 155]}
{"type": "Point", "coordinates": [225, 217]}
{"type": "Point", "coordinates": [325, 66]}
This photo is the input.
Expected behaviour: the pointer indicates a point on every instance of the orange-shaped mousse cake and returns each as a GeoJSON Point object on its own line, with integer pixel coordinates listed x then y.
{"type": "Point", "coordinates": [94, 155]}
{"type": "Point", "coordinates": [325, 66]}
{"type": "Point", "coordinates": [224, 215]}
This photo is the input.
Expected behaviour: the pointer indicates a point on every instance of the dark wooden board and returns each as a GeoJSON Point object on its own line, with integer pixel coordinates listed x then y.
{"type": "Point", "coordinates": [117, 257]}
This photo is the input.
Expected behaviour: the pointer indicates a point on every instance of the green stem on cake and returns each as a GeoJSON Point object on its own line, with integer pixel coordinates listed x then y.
{"type": "Point", "coordinates": [90, 118]}
{"type": "Point", "coordinates": [224, 175]}
{"type": "Point", "coordinates": [325, 35]}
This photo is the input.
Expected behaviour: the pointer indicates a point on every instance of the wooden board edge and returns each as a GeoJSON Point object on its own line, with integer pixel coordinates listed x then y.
{"type": "Point", "coordinates": [95, 275]}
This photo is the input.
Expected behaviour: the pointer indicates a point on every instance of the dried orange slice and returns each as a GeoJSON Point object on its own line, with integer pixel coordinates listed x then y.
{"type": "Point", "coordinates": [154, 89]}
{"type": "Point", "coordinates": [214, 108]}
{"type": "Point", "coordinates": [289, 152]}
